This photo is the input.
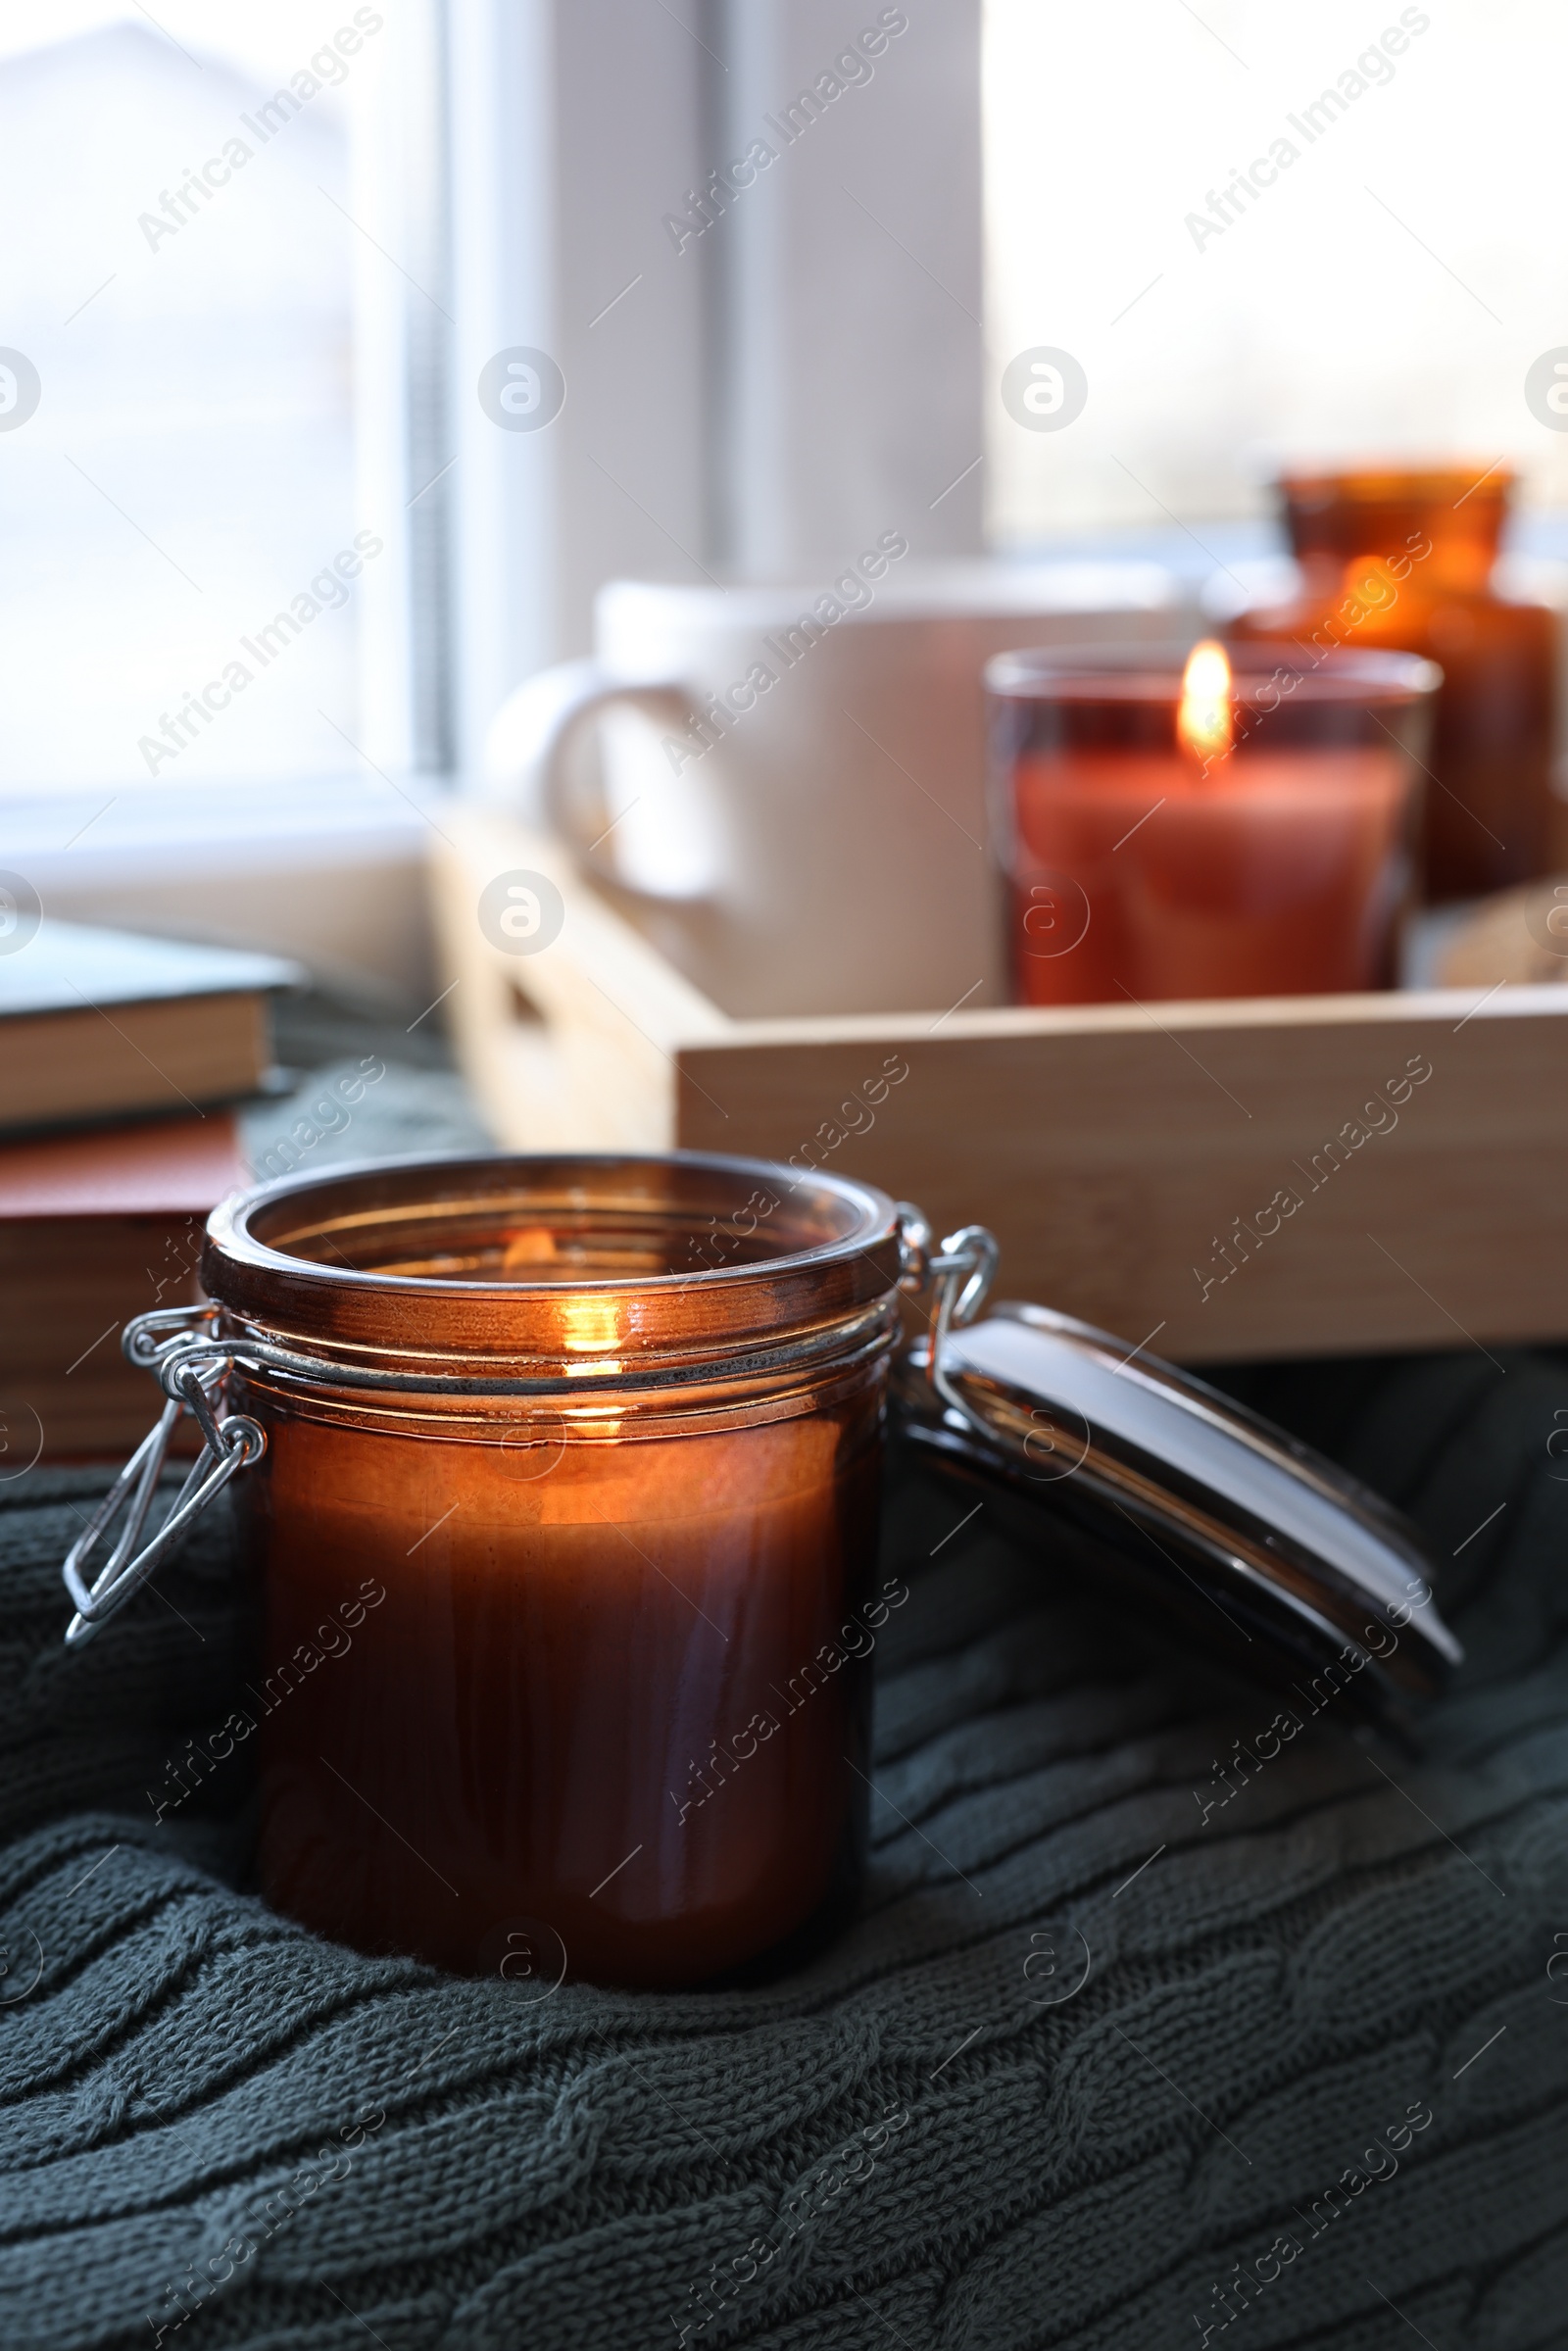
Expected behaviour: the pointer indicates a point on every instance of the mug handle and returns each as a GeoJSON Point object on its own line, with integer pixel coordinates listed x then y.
{"type": "Point", "coordinates": [526, 761]}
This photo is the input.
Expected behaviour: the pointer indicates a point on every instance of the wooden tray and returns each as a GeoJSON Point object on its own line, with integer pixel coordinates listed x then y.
{"type": "Point", "coordinates": [1218, 1181]}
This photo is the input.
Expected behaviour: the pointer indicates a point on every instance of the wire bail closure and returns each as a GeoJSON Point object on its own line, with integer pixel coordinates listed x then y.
{"type": "Point", "coordinates": [959, 1276]}
{"type": "Point", "coordinates": [164, 1343]}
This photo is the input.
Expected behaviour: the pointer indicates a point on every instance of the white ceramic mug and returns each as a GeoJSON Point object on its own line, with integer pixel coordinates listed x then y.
{"type": "Point", "coordinates": [789, 792]}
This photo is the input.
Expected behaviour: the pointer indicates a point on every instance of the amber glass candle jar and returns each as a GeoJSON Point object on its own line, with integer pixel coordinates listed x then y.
{"type": "Point", "coordinates": [564, 1541]}
{"type": "Point", "coordinates": [1403, 559]}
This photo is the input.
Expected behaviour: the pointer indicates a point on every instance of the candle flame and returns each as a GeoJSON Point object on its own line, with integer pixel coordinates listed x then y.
{"type": "Point", "coordinates": [1204, 715]}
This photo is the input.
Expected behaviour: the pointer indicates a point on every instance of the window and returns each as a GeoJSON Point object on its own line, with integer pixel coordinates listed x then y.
{"type": "Point", "coordinates": [1380, 282]}
{"type": "Point", "coordinates": [211, 571]}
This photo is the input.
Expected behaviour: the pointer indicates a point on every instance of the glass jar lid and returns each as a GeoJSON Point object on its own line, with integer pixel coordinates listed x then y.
{"type": "Point", "coordinates": [1260, 1546]}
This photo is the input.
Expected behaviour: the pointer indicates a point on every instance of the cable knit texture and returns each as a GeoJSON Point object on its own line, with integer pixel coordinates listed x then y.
{"type": "Point", "coordinates": [1096, 2067]}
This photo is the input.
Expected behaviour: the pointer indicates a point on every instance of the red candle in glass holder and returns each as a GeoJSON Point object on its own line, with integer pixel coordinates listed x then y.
{"type": "Point", "coordinates": [1193, 832]}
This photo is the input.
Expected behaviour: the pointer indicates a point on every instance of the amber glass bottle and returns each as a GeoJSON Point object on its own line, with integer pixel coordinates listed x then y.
{"type": "Point", "coordinates": [1403, 559]}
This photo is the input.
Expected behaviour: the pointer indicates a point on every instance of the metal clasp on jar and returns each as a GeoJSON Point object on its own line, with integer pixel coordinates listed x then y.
{"type": "Point", "coordinates": [178, 1344]}
{"type": "Point", "coordinates": [957, 1278]}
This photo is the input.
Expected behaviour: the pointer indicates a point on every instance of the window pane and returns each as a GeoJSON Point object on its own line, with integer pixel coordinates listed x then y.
{"type": "Point", "coordinates": [1381, 288]}
{"type": "Point", "coordinates": [181, 592]}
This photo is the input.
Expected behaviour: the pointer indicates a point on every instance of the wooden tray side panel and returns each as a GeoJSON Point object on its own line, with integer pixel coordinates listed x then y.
{"type": "Point", "coordinates": [572, 1048]}
{"type": "Point", "coordinates": [1352, 1180]}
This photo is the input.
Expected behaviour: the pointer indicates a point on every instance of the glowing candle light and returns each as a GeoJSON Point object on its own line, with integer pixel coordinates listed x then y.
{"type": "Point", "coordinates": [1204, 721]}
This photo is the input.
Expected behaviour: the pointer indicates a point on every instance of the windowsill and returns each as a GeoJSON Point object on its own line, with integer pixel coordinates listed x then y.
{"type": "Point", "coordinates": [75, 839]}
{"type": "Point", "coordinates": [1195, 550]}
{"type": "Point", "coordinates": [328, 871]}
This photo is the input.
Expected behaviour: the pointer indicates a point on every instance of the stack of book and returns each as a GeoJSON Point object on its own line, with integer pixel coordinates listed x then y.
{"type": "Point", "coordinates": [119, 1058]}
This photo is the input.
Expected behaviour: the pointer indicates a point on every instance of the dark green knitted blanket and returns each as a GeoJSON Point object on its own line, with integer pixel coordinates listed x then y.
{"type": "Point", "coordinates": [1159, 2028]}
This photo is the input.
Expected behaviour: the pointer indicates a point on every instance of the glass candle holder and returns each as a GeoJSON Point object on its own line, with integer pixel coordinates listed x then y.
{"type": "Point", "coordinates": [1171, 828]}
{"type": "Point", "coordinates": [1403, 558]}
{"type": "Point", "coordinates": [563, 1544]}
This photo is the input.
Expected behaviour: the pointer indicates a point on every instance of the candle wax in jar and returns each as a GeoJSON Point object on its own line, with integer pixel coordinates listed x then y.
{"type": "Point", "coordinates": [1276, 874]}
{"type": "Point", "coordinates": [594, 1699]}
